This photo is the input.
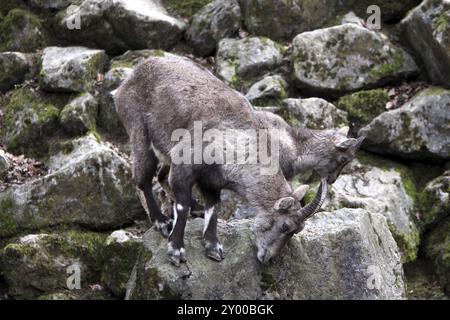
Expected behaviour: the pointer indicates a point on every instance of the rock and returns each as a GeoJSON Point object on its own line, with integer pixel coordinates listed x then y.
{"type": "Point", "coordinates": [269, 90]}
{"type": "Point", "coordinates": [89, 185]}
{"type": "Point", "coordinates": [238, 60]}
{"type": "Point", "coordinates": [417, 130]}
{"type": "Point", "coordinates": [79, 115]}
{"type": "Point", "coordinates": [41, 263]}
{"type": "Point", "coordinates": [215, 21]}
{"type": "Point", "coordinates": [346, 58]}
{"type": "Point", "coordinates": [363, 106]}
{"type": "Point", "coordinates": [121, 251]}
{"type": "Point", "coordinates": [427, 28]}
{"type": "Point", "coordinates": [109, 24]}
{"type": "Point", "coordinates": [391, 11]}
{"type": "Point", "coordinates": [70, 69]}
{"type": "Point", "coordinates": [437, 249]}
{"type": "Point", "coordinates": [383, 187]}
{"type": "Point", "coordinates": [278, 19]}
{"type": "Point", "coordinates": [346, 254]}
{"type": "Point", "coordinates": [313, 113]}
{"type": "Point", "coordinates": [94, 292]}
{"type": "Point", "coordinates": [28, 119]}
{"type": "Point", "coordinates": [51, 5]}
{"type": "Point", "coordinates": [132, 58]}
{"type": "Point", "coordinates": [4, 163]}
{"type": "Point", "coordinates": [185, 9]}
{"type": "Point", "coordinates": [13, 68]}
{"type": "Point", "coordinates": [434, 200]}
{"type": "Point", "coordinates": [23, 31]}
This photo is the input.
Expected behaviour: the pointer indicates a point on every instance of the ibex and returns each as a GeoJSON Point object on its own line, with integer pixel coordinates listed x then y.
{"type": "Point", "coordinates": [166, 94]}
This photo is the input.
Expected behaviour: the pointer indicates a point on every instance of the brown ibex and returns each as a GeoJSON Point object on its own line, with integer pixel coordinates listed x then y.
{"type": "Point", "coordinates": [166, 94]}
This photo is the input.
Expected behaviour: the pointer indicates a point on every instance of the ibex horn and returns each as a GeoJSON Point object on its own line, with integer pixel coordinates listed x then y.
{"type": "Point", "coordinates": [317, 202]}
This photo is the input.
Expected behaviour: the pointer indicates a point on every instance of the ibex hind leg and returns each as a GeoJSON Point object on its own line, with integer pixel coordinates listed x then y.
{"type": "Point", "coordinates": [144, 169]}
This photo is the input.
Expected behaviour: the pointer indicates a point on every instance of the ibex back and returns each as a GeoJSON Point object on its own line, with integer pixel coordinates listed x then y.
{"type": "Point", "coordinates": [167, 94]}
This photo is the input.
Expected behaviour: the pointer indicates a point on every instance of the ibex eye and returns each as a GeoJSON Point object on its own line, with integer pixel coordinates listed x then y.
{"type": "Point", "coordinates": [284, 227]}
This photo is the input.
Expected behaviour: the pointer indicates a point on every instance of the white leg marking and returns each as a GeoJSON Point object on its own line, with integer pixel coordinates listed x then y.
{"type": "Point", "coordinates": [175, 217]}
{"type": "Point", "coordinates": [180, 207]}
{"type": "Point", "coordinates": [208, 214]}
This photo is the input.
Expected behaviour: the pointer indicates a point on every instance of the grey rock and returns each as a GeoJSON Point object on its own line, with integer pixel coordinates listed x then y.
{"type": "Point", "coordinates": [346, 254]}
{"type": "Point", "coordinates": [238, 60]}
{"type": "Point", "coordinates": [417, 130]}
{"type": "Point", "coordinates": [13, 68]}
{"type": "Point", "coordinates": [80, 114]}
{"type": "Point", "coordinates": [4, 163]}
{"type": "Point", "coordinates": [434, 200]}
{"type": "Point", "coordinates": [217, 20]}
{"type": "Point", "coordinates": [345, 58]}
{"type": "Point", "coordinates": [70, 69]}
{"type": "Point", "coordinates": [109, 25]}
{"type": "Point", "coordinates": [51, 5]}
{"type": "Point", "coordinates": [381, 190]}
{"type": "Point", "coordinates": [313, 113]}
{"type": "Point", "coordinates": [89, 184]}
{"type": "Point", "coordinates": [278, 19]}
{"type": "Point", "coordinates": [271, 88]}
{"type": "Point", "coordinates": [427, 28]}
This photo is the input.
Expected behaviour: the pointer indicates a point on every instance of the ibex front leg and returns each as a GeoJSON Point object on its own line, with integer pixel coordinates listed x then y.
{"type": "Point", "coordinates": [211, 242]}
{"type": "Point", "coordinates": [180, 180]}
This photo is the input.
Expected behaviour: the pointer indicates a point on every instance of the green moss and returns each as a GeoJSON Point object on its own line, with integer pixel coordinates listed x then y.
{"type": "Point", "coordinates": [268, 282]}
{"type": "Point", "coordinates": [387, 69]}
{"type": "Point", "coordinates": [362, 107]}
{"type": "Point", "coordinates": [131, 58]}
{"type": "Point", "coordinates": [8, 226]}
{"type": "Point", "coordinates": [434, 91]}
{"type": "Point", "coordinates": [23, 250]}
{"type": "Point", "coordinates": [27, 120]}
{"type": "Point", "coordinates": [407, 243]}
{"type": "Point", "coordinates": [185, 8]}
{"type": "Point", "coordinates": [432, 208]}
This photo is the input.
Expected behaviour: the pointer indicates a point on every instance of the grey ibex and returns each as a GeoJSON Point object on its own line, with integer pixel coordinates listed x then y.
{"type": "Point", "coordinates": [167, 94]}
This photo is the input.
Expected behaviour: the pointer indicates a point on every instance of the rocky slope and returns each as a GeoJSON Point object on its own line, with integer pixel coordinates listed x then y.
{"type": "Point", "coordinates": [68, 204]}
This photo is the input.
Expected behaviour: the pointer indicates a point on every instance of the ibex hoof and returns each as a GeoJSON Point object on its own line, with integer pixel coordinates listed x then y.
{"type": "Point", "coordinates": [215, 251]}
{"type": "Point", "coordinates": [176, 257]}
{"type": "Point", "coordinates": [164, 227]}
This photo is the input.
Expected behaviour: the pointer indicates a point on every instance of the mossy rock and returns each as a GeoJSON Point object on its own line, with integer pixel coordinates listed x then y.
{"type": "Point", "coordinates": [437, 249]}
{"type": "Point", "coordinates": [23, 31]}
{"type": "Point", "coordinates": [29, 120]}
{"type": "Point", "coordinates": [185, 8]}
{"type": "Point", "coordinates": [363, 106]}
{"type": "Point", "coordinates": [38, 263]}
{"type": "Point", "coordinates": [434, 201]}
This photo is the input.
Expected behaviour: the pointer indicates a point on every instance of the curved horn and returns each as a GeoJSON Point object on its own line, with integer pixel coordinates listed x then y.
{"type": "Point", "coordinates": [317, 202]}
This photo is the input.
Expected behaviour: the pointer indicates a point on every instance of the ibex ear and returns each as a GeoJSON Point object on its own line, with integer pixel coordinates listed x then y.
{"type": "Point", "coordinates": [346, 144]}
{"type": "Point", "coordinates": [344, 130]}
{"type": "Point", "coordinates": [300, 192]}
{"type": "Point", "coordinates": [284, 203]}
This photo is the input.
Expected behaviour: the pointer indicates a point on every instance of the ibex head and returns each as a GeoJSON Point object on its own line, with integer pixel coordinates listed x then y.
{"type": "Point", "coordinates": [331, 151]}
{"type": "Point", "coordinates": [274, 230]}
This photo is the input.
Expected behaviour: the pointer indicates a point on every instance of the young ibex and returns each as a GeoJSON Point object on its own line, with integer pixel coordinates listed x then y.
{"type": "Point", "coordinates": [166, 94]}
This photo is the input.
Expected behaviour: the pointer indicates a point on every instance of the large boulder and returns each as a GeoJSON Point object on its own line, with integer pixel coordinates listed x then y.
{"type": "Point", "coordinates": [109, 24]}
{"type": "Point", "coordinates": [427, 28]}
{"type": "Point", "coordinates": [14, 67]}
{"type": "Point", "coordinates": [238, 60]}
{"type": "Point", "coordinates": [417, 130]}
{"type": "Point", "coordinates": [21, 30]}
{"type": "Point", "coordinates": [80, 114]}
{"type": "Point", "coordinates": [434, 200]}
{"type": "Point", "coordinates": [437, 249]}
{"type": "Point", "coordinates": [284, 19]}
{"type": "Point", "coordinates": [89, 185]}
{"type": "Point", "coordinates": [215, 21]}
{"type": "Point", "coordinates": [41, 263]}
{"type": "Point", "coordinates": [346, 58]}
{"type": "Point", "coordinates": [28, 120]}
{"type": "Point", "coordinates": [70, 69]}
{"type": "Point", "coordinates": [313, 113]}
{"type": "Point", "coordinates": [51, 5]}
{"type": "Point", "coordinates": [384, 187]}
{"type": "Point", "coordinates": [346, 254]}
